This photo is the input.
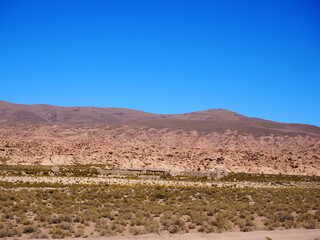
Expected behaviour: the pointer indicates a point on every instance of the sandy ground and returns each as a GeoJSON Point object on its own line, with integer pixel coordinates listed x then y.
{"type": "Point", "coordinates": [292, 234]}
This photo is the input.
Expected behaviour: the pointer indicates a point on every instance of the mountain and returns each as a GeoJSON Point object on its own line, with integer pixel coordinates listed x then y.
{"type": "Point", "coordinates": [205, 140]}
{"type": "Point", "coordinates": [42, 113]}
{"type": "Point", "coordinates": [214, 120]}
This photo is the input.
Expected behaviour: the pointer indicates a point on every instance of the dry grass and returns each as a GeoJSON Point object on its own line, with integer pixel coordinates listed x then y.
{"type": "Point", "coordinates": [101, 210]}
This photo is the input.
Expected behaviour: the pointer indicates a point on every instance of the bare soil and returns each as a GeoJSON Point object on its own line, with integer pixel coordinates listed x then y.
{"type": "Point", "coordinates": [292, 234]}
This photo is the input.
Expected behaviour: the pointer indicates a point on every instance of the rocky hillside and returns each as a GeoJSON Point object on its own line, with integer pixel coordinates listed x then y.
{"type": "Point", "coordinates": [129, 146]}
{"type": "Point", "coordinates": [50, 135]}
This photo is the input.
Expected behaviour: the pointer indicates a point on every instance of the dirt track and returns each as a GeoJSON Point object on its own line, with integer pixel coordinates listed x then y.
{"type": "Point", "coordinates": [292, 234]}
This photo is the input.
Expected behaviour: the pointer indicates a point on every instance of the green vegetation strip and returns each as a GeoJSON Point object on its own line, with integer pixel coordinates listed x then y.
{"type": "Point", "coordinates": [92, 171]}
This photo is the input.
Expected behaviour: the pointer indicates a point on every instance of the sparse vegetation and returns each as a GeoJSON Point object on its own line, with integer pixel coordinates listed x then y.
{"type": "Point", "coordinates": [91, 171]}
{"type": "Point", "coordinates": [3, 160]}
{"type": "Point", "coordinates": [269, 178]}
{"type": "Point", "coordinates": [42, 170]}
{"type": "Point", "coordinates": [42, 210]}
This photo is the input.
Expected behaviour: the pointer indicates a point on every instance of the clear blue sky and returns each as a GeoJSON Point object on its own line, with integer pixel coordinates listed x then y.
{"type": "Point", "coordinates": [258, 58]}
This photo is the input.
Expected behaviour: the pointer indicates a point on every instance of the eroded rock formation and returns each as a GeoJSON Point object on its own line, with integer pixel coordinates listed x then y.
{"type": "Point", "coordinates": [153, 148]}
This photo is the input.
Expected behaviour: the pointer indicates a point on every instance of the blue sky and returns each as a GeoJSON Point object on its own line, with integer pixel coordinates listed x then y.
{"type": "Point", "coordinates": [258, 58]}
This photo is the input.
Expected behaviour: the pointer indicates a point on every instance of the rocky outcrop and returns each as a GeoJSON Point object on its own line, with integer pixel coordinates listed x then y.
{"type": "Point", "coordinates": [176, 150]}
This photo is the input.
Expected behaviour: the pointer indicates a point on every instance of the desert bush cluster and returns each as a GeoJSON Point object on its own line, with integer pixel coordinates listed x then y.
{"type": "Point", "coordinates": [251, 177]}
{"type": "Point", "coordinates": [59, 211]}
{"type": "Point", "coordinates": [43, 170]}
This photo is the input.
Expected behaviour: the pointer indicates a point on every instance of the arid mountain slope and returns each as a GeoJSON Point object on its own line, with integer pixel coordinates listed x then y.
{"type": "Point", "coordinates": [73, 115]}
{"type": "Point", "coordinates": [166, 149]}
{"type": "Point", "coordinates": [50, 135]}
{"type": "Point", "coordinates": [215, 120]}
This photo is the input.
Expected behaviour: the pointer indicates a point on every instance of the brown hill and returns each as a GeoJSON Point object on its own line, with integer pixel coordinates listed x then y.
{"type": "Point", "coordinates": [214, 120]}
{"type": "Point", "coordinates": [42, 113]}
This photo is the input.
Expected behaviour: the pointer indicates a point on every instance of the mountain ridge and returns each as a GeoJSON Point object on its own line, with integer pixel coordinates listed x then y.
{"type": "Point", "coordinates": [210, 120]}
